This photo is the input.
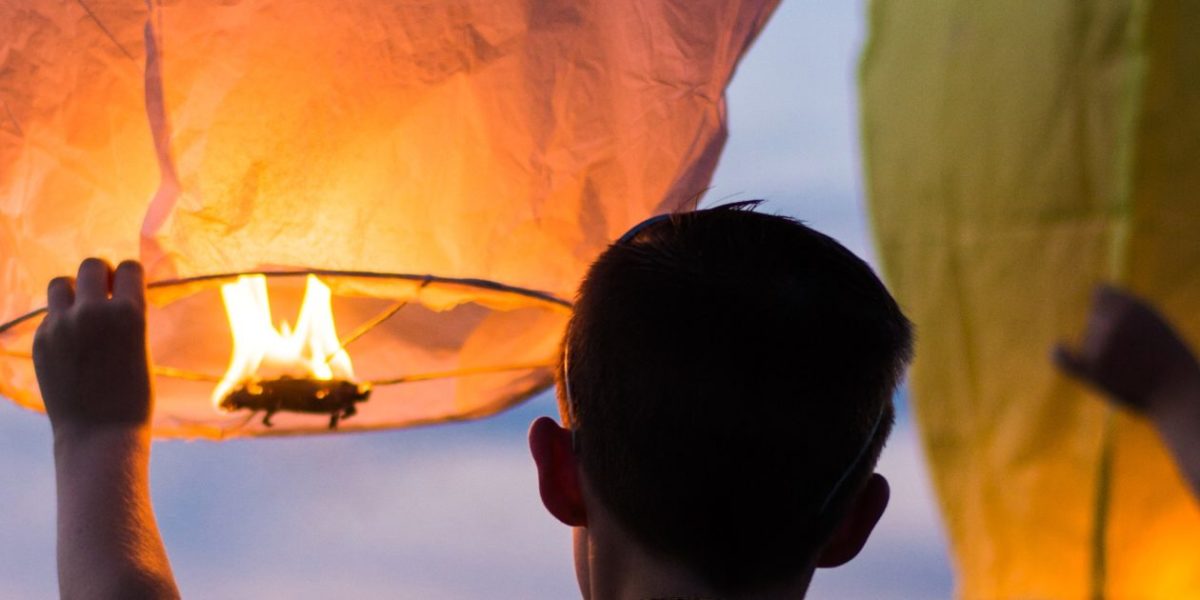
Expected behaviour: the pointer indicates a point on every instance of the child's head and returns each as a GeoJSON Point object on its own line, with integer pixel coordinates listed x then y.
{"type": "Point", "coordinates": [730, 378]}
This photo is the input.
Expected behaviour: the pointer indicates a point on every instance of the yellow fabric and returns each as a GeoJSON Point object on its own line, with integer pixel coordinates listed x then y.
{"type": "Point", "coordinates": [491, 139]}
{"type": "Point", "coordinates": [1017, 153]}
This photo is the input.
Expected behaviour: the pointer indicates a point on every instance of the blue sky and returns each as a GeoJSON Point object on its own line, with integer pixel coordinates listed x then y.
{"type": "Point", "coordinates": [452, 511]}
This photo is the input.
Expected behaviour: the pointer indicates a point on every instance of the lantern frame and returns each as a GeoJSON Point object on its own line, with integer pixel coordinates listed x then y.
{"type": "Point", "coordinates": [523, 296]}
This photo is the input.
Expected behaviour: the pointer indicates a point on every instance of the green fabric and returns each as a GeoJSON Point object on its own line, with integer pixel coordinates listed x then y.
{"type": "Point", "coordinates": [1018, 153]}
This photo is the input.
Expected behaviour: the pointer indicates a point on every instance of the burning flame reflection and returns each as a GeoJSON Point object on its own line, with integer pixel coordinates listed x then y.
{"type": "Point", "coordinates": [261, 352]}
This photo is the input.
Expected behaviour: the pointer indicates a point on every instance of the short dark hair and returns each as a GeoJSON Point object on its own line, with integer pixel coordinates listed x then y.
{"type": "Point", "coordinates": [726, 369]}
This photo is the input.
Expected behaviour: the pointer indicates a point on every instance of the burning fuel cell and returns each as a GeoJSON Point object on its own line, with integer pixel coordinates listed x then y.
{"type": "Point", "coordinates": [304, 370]}
{"type": "Point", "coordinates": [335, 398]}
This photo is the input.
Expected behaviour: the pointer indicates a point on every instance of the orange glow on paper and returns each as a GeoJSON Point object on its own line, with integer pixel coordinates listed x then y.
{"type": "Point", "coordinates": [459, 162]}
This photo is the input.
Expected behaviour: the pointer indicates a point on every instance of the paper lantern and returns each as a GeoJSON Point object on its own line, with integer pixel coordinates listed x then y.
{"type": "Point", "coordinates": [1017, 154]}
{"type": "Point", "coordinates": [438, 175]}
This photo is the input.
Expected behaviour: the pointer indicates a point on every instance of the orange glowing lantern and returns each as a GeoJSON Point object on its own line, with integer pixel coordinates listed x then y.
{"type": "Point", "coordinates": [436, 175]}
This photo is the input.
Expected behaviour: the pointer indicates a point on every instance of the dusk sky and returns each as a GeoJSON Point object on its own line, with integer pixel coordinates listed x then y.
{"type": "Point", "coordinates": [452, 511]}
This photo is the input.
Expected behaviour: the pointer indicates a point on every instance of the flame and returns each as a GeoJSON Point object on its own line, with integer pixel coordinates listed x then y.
{"type": "Point", "coordinates": [261, 352]}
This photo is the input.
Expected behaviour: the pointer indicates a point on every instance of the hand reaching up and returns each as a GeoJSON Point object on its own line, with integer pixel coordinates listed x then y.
{"type": "Point", "coordinates": [1132, 354]}
{"type": "Point", "coordinates": [93, 371]}
{"type": "Point", "coordinates": [90, 351]}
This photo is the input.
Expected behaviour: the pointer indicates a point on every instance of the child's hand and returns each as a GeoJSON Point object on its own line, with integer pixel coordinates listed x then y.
{"type": "Point", "coordinates": [90, 350]}
{"type": "Point", "coordinates": [91, 361]}
{"type": "Point", "coordinates": [1130, 352]}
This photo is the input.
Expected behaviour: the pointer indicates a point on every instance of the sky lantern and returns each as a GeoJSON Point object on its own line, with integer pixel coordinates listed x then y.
{"type": "Point", "coordinates": [354, 215]}
{"type": "Point", "coordinates": [1016, 155]}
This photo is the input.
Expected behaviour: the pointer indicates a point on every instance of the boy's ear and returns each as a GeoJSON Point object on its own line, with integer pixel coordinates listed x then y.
{"type": "Point", "coordinates": [558, 471]}
{"type": "Point", "coordinates": [851, 534]}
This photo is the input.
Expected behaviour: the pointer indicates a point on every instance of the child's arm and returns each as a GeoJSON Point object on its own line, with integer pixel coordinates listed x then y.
{"type": "Point", "coordinates": [1132, 354]}
{"type": "Point", "coordinates": [92, 367]}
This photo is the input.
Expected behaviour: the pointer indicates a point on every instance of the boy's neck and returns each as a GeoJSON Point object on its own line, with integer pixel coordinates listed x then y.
{"type": "Point", "coordinates": [612, 566]}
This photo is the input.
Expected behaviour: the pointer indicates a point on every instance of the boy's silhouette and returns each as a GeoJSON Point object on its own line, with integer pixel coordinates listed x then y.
{"type": "Point", "coordinates": [725, 391]}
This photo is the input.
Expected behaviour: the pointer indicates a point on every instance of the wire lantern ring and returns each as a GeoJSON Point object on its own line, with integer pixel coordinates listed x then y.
{"type": "Point", "coordinates": [356, 333]}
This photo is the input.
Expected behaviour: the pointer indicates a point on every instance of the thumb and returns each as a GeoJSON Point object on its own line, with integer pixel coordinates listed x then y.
{"type": "Point", "coordinates": [1069, 362]}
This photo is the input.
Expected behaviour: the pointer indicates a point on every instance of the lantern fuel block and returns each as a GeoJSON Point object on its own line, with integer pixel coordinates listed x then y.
{"type": "Point", "coordinates": [438, 176]}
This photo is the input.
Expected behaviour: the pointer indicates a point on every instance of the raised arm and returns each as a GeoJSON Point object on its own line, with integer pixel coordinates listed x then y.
{"type": "Point", "coordinates": [1132, 354]}
{"type": "Point", "coordinates": [92, 367]}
